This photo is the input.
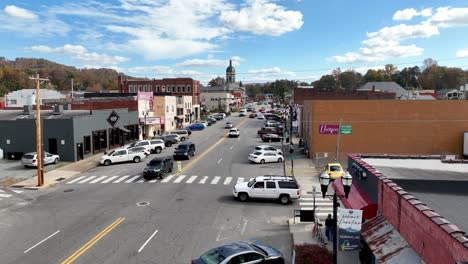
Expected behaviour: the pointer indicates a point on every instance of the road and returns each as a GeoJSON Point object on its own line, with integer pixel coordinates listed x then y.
{"type": "Point", "coordinates": [109, 215]}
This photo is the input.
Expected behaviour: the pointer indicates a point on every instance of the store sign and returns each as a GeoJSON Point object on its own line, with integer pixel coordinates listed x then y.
{"type": "Point", "coordinates": [151, 120]}
{"type": "Point", "coordinates": [113, 118]}
{"type": "Point", "coordinates": [349, 229]}
{"type": "Point", "coordinates": [147, 96]}
{"type": "Point", "coordinates": [329, 129]}
{"type": "Point", "coordinates": [346, 130]}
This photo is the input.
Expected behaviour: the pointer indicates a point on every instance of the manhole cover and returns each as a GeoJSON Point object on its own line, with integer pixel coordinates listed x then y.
{"type": "Point", "coordinates": [68, 190]}
{"type": "Point", "coordinates": [60, 179]}
{"type": "Point", "coordinates": [142, 203]}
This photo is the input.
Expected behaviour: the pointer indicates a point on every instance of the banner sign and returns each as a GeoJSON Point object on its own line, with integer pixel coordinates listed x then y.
{"type": "Point", "coordinates": [349, 229]}
{"type": "Point", "coordinates": [147, 96]}
{"type": "Point", "coordinates": [329, 129]}
{"type": "Point", "coordinates": [151, 120]}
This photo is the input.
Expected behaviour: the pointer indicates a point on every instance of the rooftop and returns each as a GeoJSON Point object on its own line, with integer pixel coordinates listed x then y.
{"type": "Point", "coordinates": [441, 186]}
{"type": "Point", "coordinates": [47, 114]}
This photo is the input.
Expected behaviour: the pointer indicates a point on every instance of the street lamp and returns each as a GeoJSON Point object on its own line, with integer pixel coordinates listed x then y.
{"type": "Point", "coordinates": [347, 181]}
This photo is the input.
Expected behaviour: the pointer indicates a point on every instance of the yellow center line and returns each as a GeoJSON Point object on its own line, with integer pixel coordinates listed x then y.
{"type": "Point", "coordinates": [195, 160]}
{"type": "Point", "coordinates": [92, 241]}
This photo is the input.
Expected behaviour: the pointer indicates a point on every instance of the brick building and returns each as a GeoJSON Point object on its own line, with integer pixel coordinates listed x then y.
{"type": "Point", "coordinates": [302, 94]}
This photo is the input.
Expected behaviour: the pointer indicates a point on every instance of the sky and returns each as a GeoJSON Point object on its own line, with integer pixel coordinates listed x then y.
{"type": "Point", "coordinates": [266, 39]}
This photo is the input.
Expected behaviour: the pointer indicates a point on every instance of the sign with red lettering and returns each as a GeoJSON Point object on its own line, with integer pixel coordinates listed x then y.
{"type": "Point", "coordinates": [329, 129]}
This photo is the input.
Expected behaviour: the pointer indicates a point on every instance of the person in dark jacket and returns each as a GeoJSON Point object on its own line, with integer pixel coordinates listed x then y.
{"type": "Point", "coordinates": [329, 226]}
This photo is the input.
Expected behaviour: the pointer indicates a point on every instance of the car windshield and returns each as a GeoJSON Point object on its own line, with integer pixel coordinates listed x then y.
{"type": "Point", "coordinates": [110, 154]}
{"type": "Point", "coordinates": [28, 156]}
{"type": "Point", "coordinates": [251, 183]}
{"type": "Point", "coordinates": [258, 148]}
{"type": "Point", "coordinates": [155, 162]}
{"type": "Point", "coordinates": [133, 144]}
{"type": "Point", "coordinates": [213, 257]}
{"type": "Point", "coordinates": [182, 147]}
{"type": "Point", "coordinates": [335, 168]}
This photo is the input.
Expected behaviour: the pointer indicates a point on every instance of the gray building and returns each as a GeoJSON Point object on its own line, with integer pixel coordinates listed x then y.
{"type": "Point", "coordinates": [72, 134]}
{"type": "Point", "coordinates": [388, 87]}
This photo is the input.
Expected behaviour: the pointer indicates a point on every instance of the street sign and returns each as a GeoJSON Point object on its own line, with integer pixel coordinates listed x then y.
{"type": "Point", "coordinates": [346, 130]}
{"type": "Point", "coordinates": [291, 157]}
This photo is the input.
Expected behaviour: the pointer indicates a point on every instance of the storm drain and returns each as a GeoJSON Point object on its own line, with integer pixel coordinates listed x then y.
{"type": "Point", "coordinates": [143, 203]}
{"type": "Point", "coordinates": [60, 179]}
{"type": "Point", "coordinates": [68, 190]}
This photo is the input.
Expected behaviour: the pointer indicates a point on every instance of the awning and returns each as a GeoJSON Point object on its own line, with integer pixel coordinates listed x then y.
{"type": "Point", "coordinates": [386, 243]}
{"type": "Point", "coordinates": [357, 199]}
{"type": "Point", "coordinates": [124, 129]}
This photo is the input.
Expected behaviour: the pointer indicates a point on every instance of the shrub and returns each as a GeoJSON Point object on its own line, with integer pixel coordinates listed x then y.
{"type": "Point", "coordinates": [312, 254]}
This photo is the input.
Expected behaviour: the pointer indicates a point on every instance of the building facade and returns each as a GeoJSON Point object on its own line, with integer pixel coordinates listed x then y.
{"type": "Point", "coordinates": [72, 134]}
{"type": "Point", "coordinates": [20, 98]}
{"type": "Point", "coordinates": [385, 126]}
{"type": "Point", "coordinates": [213, 100]}
{"type": "Point", "coordinates": [165, 108]}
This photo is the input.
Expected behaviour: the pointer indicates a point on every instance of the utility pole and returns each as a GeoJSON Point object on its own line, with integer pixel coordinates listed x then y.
{"type": "Point", "coordinates": [40, 172]}
{"type": "Point", "coordinates": [72, 89]}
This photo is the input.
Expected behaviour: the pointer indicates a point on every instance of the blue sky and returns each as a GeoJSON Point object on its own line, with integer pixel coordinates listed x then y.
{"type": "Point", "coordinates": [266, 39]}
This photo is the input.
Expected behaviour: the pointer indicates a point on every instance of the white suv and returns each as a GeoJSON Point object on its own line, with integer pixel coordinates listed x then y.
{"type": "Point", "coordinates": [154, 145]}
{"type": "Point", "coordinates": [234, 132]}
{"type": "Point", "coordinates": [282, 188]}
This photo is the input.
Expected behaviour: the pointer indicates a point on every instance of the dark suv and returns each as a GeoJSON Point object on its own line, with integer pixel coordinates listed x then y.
{"type": "Point", "coordinates": [185, 150]}
{"type": "Point", "coordinates": [169, 140]}
{"type": "Point", "coordinates": [157, 167]}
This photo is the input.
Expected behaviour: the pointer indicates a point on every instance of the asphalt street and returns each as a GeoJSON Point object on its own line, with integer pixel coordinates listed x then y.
{"type": "Point", "coordinates": [95, 219]}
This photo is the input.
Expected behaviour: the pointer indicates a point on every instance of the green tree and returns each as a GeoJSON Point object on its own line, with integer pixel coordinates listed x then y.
{"type": "Point", "coordinates": [350, 80]}
{"type": "Point", "coordinates": [326, 83]}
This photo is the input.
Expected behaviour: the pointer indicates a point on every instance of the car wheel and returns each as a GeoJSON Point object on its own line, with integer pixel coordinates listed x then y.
{"type": "Point", "coordinates": [169, 144]}
{"type": "Point", "coordinates": [182, 139]}
{"type": "Point", "coordinates": [157, 150]}
{"type": "Point", "coordinates": [280, 160]}
{"type": "Point", "coordinates": [243, 197]}
{"type": "Point", "coordinates": [56, 160]}
{"type": "Point", "coordinates": [284, 199]}
{"type": "Point", "coordinates": [170, 169]}
{"type": "Point", "coordinates": [262, 161]}
{"type": "Point", "coordinates": [136, 159]}
{"type": "Point", "coordinates": [107, 162]}
{"type": "Point", "coordinates": [269, 140]}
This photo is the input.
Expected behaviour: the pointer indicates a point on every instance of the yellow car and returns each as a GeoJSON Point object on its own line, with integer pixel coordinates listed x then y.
{"type": "Point", "coordinates": [334, 170]}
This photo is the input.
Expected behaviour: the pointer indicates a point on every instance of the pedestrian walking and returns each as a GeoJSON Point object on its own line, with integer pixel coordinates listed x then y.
{"type": "Point", "coordinates": [291, 148]}
{"type": "Point", "coordinates": [329, 226]}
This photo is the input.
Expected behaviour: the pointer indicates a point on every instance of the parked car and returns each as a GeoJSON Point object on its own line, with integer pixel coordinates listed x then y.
{"type": "Point", "coordinates": [284, 189]}
{"type": "Point", "coordinates": [189, 131]}
{"type": "Point", "coordinates": [234, 132]}
{"type": "Point", "coordinates": [184, 150]}
{"type": "Point", "coordinates": [167, 141]}
{"type": "Point", "coordinates": [154, 145]}
{"type": "Point", "coordinates": [272, 123]}
{"type": "Point", "coordinates": [143, 149]}
{"type": "Point", "coordinates": [183, 134]}
{"type": "Point", "coordinates": [268, 148]}
{"type": "Point", "coordinates": [30, 159]}
{"type": "Point", "coordinates": [197, 126]}
{"type": "Point", "coordinates": [205, 122]}
{"type": "Point", "coordinates": [264, 157]}
{"type": "Point", "coordinates": [218, 117]}
{"type": "Point", "coordinates": [260, 116]}
{"type": "Point", "coordinates": [335, 170]}
{"type": "Point", "coordinates": [228, 124]}
{"type": "Point", "coordinates": [212, 119]}
{"type": "Point", "coordinates": [174, 138]}
{"type": "Point", "coordinates": [122, 155]}
{"type": "Point", "coordinates": [157, 167]}
{"type": "Point", "coordinates": [247, 251]}
{"type": "Point", "coordinates": [264, 131]}
{"type": "Point", "coordinates": [243, 112]}
{"type": "Point", "coordinates": [271, 138]}
{"type": "Point", "coordinates": [252, 115]}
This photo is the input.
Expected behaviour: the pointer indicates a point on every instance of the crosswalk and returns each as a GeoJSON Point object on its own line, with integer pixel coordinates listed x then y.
{"type": "Point", "coordinates": [5, 195]}
{"type": "Point", "coordinates": [324, 205]}
{"type": "Point", "coordinates": [177, 179]}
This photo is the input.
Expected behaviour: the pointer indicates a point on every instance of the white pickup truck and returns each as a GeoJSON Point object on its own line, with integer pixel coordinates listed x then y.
{"type": "Point", "coordinates": [284, 189]}
{"type": "Point", "coordinates": [122, 155]}
{"type": "Point", "coordinates": [154, 145]}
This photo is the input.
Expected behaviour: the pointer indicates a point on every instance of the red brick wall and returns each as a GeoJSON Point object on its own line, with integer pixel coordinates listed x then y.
{"type": "Point", "coordinates": [300, 95]}
{"type": "Point", "coordinates": [430, 235]}
{"type": "Point", "coordinates": [131, 105]}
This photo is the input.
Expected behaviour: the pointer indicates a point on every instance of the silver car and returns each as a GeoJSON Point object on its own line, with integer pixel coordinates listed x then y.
{"type": "Point", "coordinates": [30, 159]}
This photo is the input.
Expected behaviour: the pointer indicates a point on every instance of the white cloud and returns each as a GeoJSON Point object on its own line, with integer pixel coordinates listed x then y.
{"type": "Point", "coordinates": [449, 16]}
{"type": "Point", "coordinates": [157, 69]}
{"type": "Point", "coordinates": [19, 12]}
{"type": "Point", "coordinates": [81, 54]}
{"type": "Point", "coordinates": [274, 71]}
{"type": "Point", "coordinates": [409, 13]}
{"type": "Point", "coordinates": [210, 62]}
{"type": "Point", "coordinates": [462, 53]}
{"type": "Point", "coordinates": [262, 17]}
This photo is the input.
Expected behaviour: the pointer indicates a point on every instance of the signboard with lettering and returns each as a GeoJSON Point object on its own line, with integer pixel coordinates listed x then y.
{"type": "Point", "coordinates": [346, 130]}
{"type": "Point", "coordinates": [152, 120]}
{"type": "Point", "coordinates": [329, 129]}
{"type": "Point", "coordinates": [147, 96]}
{"type": "Point", "coordinates": [349, 229]}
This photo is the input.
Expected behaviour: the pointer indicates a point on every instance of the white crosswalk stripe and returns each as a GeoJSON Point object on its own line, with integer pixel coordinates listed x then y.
{"type": "Point", "coordinates": [227, 180]}
{"type": "Point", "coordinates": [98, 179]}
{"type": "Point", "coordinates": [5, 195]}
{"type": "Point", "coordinates": [179, 179]}
{"type": "Point", "coordinates": [191, 179]}
{"type": "Point", "coordinates": [202, 181]}
{"type": "Point", "coordinates": [168, 178]}
{"type": "Point", "coordinates": [109, 179]}
{"type": "Point", "coordinates": [141, 180]}
{"type": "Point", "coordinates": [77, 179]}
{"type": "Point", "coordinates": [153, 181]}
{"type": "Point", "coordinates": [240, 179]}
{"type": "Point", "coordinates": [132, 178]}
{"type": "Point", "coordinates": [215, 180]}
{"type": "Point", "coordinates": [121, 179]}
{"type": "Point", "coordinates": [324, 206]}
{"type": "Point", "coordinates": [17, 191]}
{"type": "Point", "coordinates": [87, 179]}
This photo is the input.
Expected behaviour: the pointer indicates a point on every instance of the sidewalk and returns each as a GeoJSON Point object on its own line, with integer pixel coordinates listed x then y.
{"type": "Point", "coordinates": [55, 176]}
{"type": "Point", "coordinates": [306, 175]}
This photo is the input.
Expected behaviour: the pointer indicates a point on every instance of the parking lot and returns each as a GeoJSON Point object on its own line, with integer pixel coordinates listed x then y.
{"type": "Point", "coordinates": [12, 171]}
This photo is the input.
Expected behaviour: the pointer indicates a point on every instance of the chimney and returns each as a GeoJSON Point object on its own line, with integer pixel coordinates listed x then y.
{"type": "Point", "coordinates": [27, 109]}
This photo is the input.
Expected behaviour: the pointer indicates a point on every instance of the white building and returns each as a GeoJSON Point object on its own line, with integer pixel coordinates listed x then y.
{"type": "Point", "coordinates": [185, 111]}
{"type": "Point", "coordinates": [24, 97]}
{"type": "Point", "coordinates": [214, 99]}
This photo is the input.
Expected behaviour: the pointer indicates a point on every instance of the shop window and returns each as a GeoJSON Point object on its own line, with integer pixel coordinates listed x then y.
{"type": "Point", "coordinates": [99, 140]}
{"type": "Point", "coordinates": [87, 144]}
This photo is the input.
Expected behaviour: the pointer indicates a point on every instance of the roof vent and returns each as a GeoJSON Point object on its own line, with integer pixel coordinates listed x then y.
{"type": "Point", "coordinates": [58, 110]}
{"type": "Point", "coordinates": [27, 110]}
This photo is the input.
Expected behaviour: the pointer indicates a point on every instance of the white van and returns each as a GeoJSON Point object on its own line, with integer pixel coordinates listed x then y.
{"type": "Point", "coordinates": [183, 134]}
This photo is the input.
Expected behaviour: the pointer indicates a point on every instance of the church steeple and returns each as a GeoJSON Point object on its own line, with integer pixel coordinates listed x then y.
{"type": "Point", "coordinates": [230, 73]}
